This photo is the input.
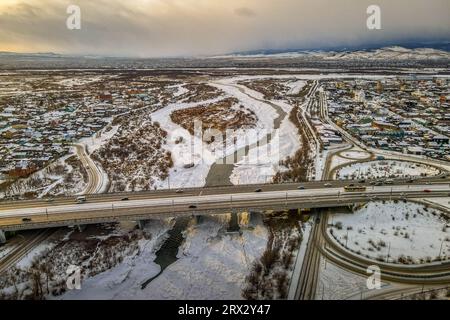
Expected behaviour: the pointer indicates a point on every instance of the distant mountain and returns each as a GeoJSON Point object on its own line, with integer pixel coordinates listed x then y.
{"type": "Point", "coordinates": [387, 53]}
{"type": "Point", "coordinates": [37, 54]}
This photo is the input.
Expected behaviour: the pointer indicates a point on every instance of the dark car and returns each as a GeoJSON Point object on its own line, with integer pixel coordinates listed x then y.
{"type": "Point", "coordinates": [301, 188]}
{"type": "Point", "coordinates": [192, 206]}
{"type": "Point", "coordinates": [362, 181]}
{"type": "Point", "coordinates": [258, 190]}
{"type": "Point", "coordinates": [125, 199]}
{"type": "Point", "coordinates": [26, 219]}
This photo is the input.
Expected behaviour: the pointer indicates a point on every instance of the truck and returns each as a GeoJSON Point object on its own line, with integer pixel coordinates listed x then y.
{"type": "Point", "coordinates": [355, 188]}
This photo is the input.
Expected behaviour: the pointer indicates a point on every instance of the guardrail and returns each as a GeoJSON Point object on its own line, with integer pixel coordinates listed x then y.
{"type": "Point", "coordinates": [137, 210]}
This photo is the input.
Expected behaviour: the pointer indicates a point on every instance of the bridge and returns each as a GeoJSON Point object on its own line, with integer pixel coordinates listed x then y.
{"type": "Point", "coordinates": [64, 211]}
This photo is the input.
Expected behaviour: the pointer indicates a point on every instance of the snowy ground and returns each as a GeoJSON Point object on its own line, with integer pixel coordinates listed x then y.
{"type": "Point", "coordinates": [407, 232]}
{"type": "Point", "coordinates": [357, 155]}
{"type": "Point", "coordinates": [285, 140]}
{"type": "Point", "coordinates": [211, 265]}
{"type": "Point", "coordinates": [285, 143]}
{"type": "Point", "coordinates": [337, 284]}
{"type": "Point", "coordinates": [185, 152]}
{"type": "Point", "coordinates": [299, 258]}
{"type": "Point", "coordinates": [386, 169]}
{"type": "Point", "coordinates": [124, 280]}
{"type": "Point", "coordinates": [295, 86]}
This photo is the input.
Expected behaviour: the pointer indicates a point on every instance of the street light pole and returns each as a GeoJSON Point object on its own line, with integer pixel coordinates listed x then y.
{"type": "Point", "coordinates": [442, 247]}
{"type": "Point", "coordinates": [346, 240]}
{"type": "Point", "coordinates": [389, 253]}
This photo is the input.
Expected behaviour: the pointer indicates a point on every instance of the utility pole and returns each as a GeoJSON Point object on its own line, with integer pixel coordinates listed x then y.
{"type": "Point", "coordinates": [286, 200]}
{"type": "Point", "coordinates": [389, 253]}
{"type": "Point", "coordinates": [346, 240]}
{"type": "Point", "coordinates": [442, 247]}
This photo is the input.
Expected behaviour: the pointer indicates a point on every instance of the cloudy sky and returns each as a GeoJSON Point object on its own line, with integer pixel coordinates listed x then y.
{"type": "Point", "coordinates": [153, 28]}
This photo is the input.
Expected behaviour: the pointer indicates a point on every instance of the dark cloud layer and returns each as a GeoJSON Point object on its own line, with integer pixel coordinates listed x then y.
{"type": "Point", "coordinates": [148, 28]}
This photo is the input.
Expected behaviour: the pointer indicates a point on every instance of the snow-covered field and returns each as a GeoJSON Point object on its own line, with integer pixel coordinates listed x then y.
{"type": "Point", "coordinates": [124, 280]}
{"type": "Point", "coordinates": [386, 169]}
{"type": "Point", "coordinates": [407, 232]}
{"type": "Point", "coordinates": [337, 284]}
{"type": "Point", "coordinates": [285, 140]}
{"type": "Point", "coordinates": [284, 143]}
{"type": "Point", "coordinates": [357, 155]}
{"type": "Point", "coordinates": [184, 153]}
{"type": "Point", "coordinates": [211, 265]}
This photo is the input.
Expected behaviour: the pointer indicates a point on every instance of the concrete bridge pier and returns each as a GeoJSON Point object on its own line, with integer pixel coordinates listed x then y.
{"type": "Point", "coordinates": [198, 219]}
{"type": "Point", "coordinates": [141, 224]}
{"type": "Point", "coordinates": [2, 236]}
{"type": "Point", "coordinates": [233, 225]}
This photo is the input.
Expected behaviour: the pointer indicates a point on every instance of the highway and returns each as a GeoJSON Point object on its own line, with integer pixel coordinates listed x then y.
{"type": "Point", "coordinates": [95, 176]}
{"type": "Point", "coordinates": [202, 201]}
{"type": "Point", "coordinates": [320, 244]}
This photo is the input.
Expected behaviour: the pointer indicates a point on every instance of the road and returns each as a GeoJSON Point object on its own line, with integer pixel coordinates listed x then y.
{"type": "Point", "coordinates": [215, 200]}
{"type": "Point", "coordinates": [26, 246]}
{"type": "Point", "coordinates": [306, 287]}
{"type": "Point", "coordinates": [320, 244]}
{"type": "Point", "coordinates": [95, 185]}
{"type": "Point", "coordinates": [96, 181]}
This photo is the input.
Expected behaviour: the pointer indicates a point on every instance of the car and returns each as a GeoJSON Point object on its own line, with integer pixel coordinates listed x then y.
{"type": "Point", "coordinates": [362, 181]}
{"type": "Point", "coordinates": [444, 177]}
{"type": "Point", "coordinates": [258, 190]}
{"type": "Point", "coordinates": [427, 191]}
{"type": "Point", "coordinates": [192, 206]}
{"type": "Point", "coordinates": [179, 191]}
{"type": "Point", "coordinates": [125, 199]}
{"type": "Point", "coordinates": [378, 184]}
{"type": "Point", "coordinates": [26, 220]}
{"type": "Point", "coordinates": [411, 181]}
{"type": "Point", "coordinates": [81, 199]}
{"type": "Point", "coordinates": [428, 183]}
{"type": "Point", "coordinates": [301, 188]}
{"type": "Point", "coordinates": [351, 185]}
{"type": "Point", "coordinates": [327, 185]}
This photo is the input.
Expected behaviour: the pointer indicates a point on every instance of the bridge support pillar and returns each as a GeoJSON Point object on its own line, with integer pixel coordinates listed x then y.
{"type": "Point", "coordinates": [233, 225]}
{"type": "Point", "coordinates": [141, 224]}
{"type": "Point", "coordinates": [2, 236]}
{"type": "Point", "coordinates": [81, 228]}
